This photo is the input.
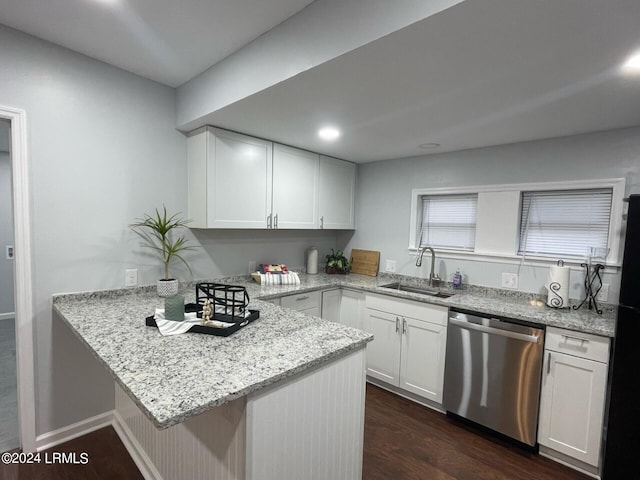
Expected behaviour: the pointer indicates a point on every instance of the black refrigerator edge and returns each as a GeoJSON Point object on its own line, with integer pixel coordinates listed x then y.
{"type": "Point", "coordinates": [621, 455]}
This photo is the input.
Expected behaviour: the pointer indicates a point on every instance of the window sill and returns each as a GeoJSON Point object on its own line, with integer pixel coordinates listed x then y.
{"type": "Point", "coordinates": [611, 266]}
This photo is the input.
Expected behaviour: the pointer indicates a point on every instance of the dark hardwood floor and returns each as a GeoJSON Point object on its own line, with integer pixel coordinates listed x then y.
{"type": "Point", "coordinates": [403, 440]}
{"type": "Point", "coordinates": [106, 455]}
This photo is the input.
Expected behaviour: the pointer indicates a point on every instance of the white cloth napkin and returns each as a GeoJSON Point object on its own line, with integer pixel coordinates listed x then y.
{"type": "Point", "coordinates": [170, 327]}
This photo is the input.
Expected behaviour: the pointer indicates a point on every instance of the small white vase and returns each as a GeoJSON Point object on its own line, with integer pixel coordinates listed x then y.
{"type": "Point", "coordinates": [167, 288]}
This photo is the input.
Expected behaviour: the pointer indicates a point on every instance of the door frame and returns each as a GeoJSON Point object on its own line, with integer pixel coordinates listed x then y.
{"type": "Point", "coordinates": [23, 276]}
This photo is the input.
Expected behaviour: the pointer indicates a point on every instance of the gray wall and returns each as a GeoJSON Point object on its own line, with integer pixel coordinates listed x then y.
{"type": "Point", "coordinates": [6, 228]}
{"type": "Point", "coordinates": [384, 195]}
{"type": "Point", "coordinates": [102, 150]}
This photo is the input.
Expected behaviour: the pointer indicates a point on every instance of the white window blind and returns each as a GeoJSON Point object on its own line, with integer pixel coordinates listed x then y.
{"type": "Point", "coordinates": [564, 223]}
{"type": "Point", "coordinates": [449, 221]}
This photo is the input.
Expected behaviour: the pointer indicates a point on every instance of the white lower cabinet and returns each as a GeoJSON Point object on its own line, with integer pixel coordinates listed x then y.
{"type": "Point", "coordinates": [574, 382]}
{"type": "Point", "coordinates": [343, 306]}
{"type": "Point", "coordinates": [408, 349]}
{"type": "Point", "coordinates": [307, 302]}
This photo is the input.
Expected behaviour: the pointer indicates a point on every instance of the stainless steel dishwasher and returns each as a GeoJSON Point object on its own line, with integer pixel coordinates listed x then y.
{"type": "Point", "coordinates": [493, 371]}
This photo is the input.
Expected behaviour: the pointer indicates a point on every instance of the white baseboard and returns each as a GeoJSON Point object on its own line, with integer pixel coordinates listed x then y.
{"type": "Point", "coordinates": [137, 453]}
{"type": "Point", "coordinates": [64, 434]}
{"type": "Point", "coordinates": [7, 316]}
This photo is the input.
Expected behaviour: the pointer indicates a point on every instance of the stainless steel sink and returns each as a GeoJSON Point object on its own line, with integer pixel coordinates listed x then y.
{"type": "Point", "coordinates": [421, 290]}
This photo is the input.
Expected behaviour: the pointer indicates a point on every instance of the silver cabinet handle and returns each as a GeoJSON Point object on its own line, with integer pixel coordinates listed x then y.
{"type": "Point", "coordinates": [549, 364]}
{"type": "Point", "coordinates": [581, 340]}
{"type": "Point", "coordinates": [269, 221]}
{"type": "Point", "coordinates": [397, 324]}
{"type": "Point", "coordinates": [494, 331]}
{"type": "Point", "coordinates": [275, 221]}
{"type": "Point", "coordinates": [322, 222]}
{"type": "Point", "coordinates": [404, 326]}
{"type": "Point", "coordinates": [299, 299]}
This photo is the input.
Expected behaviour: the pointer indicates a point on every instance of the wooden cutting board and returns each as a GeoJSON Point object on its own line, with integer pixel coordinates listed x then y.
{"type": "Point", "coordinates": [365, 262]}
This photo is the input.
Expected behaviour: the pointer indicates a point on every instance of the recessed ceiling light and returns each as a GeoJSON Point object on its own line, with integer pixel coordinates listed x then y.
{"type": "Point", "coordinates": [329, 133]}
{"type": "Point", "coordinates": [429, 146]}
{"type": "Point", "coordinates": [632, 65]}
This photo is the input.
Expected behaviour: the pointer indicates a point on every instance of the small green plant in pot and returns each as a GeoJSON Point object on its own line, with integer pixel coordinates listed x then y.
{"type": "Point", "coordinates": [159, 233]}
{"type": "Point", "coordinates": [336, 262]}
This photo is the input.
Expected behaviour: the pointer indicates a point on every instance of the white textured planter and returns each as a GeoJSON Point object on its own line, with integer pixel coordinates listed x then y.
{"type": "Point", "coordinates": [167, 288]}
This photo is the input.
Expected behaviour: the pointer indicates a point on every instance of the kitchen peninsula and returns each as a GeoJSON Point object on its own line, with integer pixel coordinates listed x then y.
{"type": "Point", "coordinates": [280, 398]}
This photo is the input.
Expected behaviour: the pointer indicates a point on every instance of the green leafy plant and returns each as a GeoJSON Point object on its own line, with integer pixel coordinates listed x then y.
{"type": "Point", "coordinates": [158, 233]}
{"type": "Point", "coordinates": [336, 262]}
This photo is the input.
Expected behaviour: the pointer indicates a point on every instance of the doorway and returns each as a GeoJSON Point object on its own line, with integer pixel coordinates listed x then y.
{"type": "Point", "coordinates": [21, 254]}
{"type": "Point", "coordinates": [9, 433]}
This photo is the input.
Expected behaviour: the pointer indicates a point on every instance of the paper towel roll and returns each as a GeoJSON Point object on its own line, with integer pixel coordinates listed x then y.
{"type": "Point", "coordinates": [312, 260]}
{"type": "Point", "coordinates": [558, 286]}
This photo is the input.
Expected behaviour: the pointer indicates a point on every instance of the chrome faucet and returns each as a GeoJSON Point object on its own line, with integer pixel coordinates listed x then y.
{"type": "Point", "coordinates": [432, 276]}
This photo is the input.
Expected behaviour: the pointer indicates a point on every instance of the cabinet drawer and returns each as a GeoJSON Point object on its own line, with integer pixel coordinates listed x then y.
{"type": "Point", "coordinates": [578, 344]}
{"type": "Point", "coordinates": [302, 301]}
{"type": "Point", "coordinates": [408, 308]}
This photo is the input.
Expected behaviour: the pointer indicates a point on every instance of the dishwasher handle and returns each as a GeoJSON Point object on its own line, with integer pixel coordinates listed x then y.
{"type": "Point", "coordinates": [494, 331]}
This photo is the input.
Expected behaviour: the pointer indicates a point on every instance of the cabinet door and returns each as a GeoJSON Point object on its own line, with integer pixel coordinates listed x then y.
{"type": "Point", "coordinates": [351, 308]}
{"type": "Point", "coordinates": [337, 193]}
{"type": "Point", "coordinates": [295, 188]}
{"type": "Point", "coordinates": [572, 406]}
{"type": "Point", "coordinates": [422, 358]}
{"type": "Point", "coordinates": [383, 353]}
{"type": "Point", "coordinates": [238, 181]}
{"type": "Point", "coordinates": [331, 305]}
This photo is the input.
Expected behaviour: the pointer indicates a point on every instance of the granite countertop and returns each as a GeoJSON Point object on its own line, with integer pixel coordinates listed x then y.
{"type": "Point", "coordinates": [175, 377]}
{"type": "Point", "coordinates": [489, 301]}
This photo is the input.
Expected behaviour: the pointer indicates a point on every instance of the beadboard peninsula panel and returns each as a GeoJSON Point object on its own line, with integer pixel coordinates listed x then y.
{"type": "Point", "coordinates": [210, 445]}
{"type": "Point", "coordinates": [311, 427]}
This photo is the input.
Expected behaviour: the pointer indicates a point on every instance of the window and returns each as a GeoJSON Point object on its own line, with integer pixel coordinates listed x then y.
{"type": "Point", "coordinates": [449, 221]}
{"type": "Point", "coordinates": [564, 223]}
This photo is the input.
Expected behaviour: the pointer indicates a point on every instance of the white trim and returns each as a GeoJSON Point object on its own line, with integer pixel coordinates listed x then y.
{"type": "Point", "coordinates": [615, 232]}
{"type": "Point", "coordinates": [514, 259]}
{"type": "Point", "coordinates": [135, 450]}
{"type": "Point", "coordinates": [7, 316]}
{"type": "Point", "coordinates": [23, 276]}
{"type": "Point", "coordinates": [78, 429]}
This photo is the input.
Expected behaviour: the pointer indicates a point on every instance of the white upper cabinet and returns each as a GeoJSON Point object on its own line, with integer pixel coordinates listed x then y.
{"type": "Point", "coordinates": [237, 181]}
{"type": "Point", "coordinates": [229, 180]}
{"type": "Point", "coordinates": [295, 188]}
{"type": "Point", "coordinates": [337, 194]}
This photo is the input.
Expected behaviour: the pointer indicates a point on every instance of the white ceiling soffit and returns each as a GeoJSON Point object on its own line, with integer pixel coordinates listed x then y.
{"type": "Point", "coordinates": [482, 73]}
{"type": "Point", "coordinates": [170, 42]}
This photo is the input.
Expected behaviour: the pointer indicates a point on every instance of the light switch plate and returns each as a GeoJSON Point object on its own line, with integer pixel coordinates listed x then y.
{"type": "Point", "coordinates": [9, 252]}
{"type": "Point", "coordinates": [510, 280]}
{"type": "Point", "coordinates": [391, 266]}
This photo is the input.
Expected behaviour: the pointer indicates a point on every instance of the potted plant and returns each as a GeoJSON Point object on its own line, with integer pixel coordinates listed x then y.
{"type": "Point", "coordinates": [336, 262]}
{"type": "Point", "coordinates": [158, 233]}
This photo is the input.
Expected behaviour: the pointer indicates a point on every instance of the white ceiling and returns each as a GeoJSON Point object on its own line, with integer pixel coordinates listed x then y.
{"type": "Point", "coordinates": [167, 41]}
{"type": "Point", "coordinates": [484, 72]}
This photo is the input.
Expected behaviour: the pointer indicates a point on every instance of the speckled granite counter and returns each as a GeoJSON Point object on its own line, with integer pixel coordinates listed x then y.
{"type": "Point", "coordinates": [512, 304]}
{"type": "Point", "coordinates": [173, 378]}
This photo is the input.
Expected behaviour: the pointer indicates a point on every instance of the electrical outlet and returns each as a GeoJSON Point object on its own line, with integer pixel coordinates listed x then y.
{"type": "Point", "coordinates": [603, 294]}
{"type": "Point", "coordinates": [510, 280]}
{"type": "Point", "coordinates": [252, 266]}
{"type": "Point", "coordinates": [391, 266]}
{"type": "Point", "coordinates": [131, 277]}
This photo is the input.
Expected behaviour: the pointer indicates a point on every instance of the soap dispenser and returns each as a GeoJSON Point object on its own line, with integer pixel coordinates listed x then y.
{"type": "Point", "coordinates": [457, 279]}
